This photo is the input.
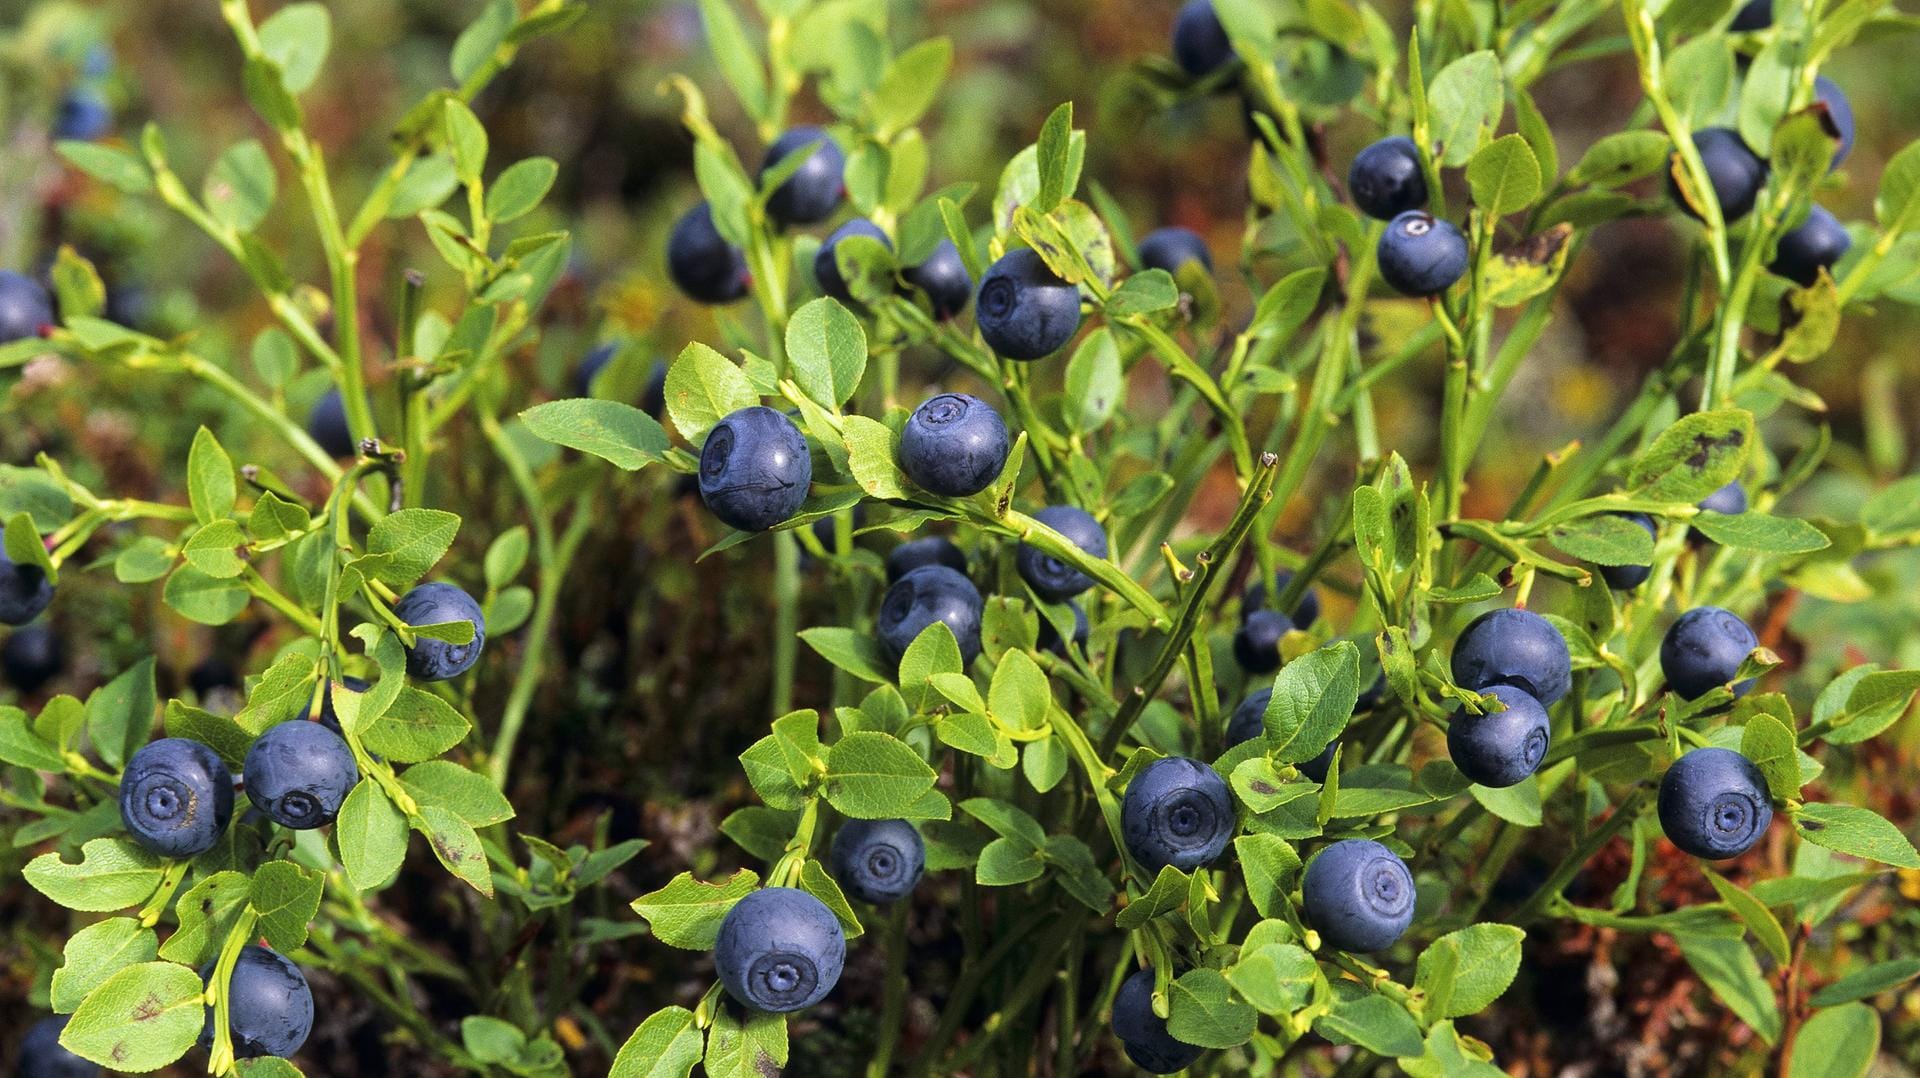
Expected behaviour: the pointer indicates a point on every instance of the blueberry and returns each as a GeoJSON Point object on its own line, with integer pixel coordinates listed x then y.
{"type": "Point", "coordinates": [1049, 577]}
{"type": "Point", "coordinates": [298, 773]}
{"type": "Point", "coordinates": [212, 674]}
{"type": "Point", "coordinates": [269, 1006]}
{"type": "Point", "coordinates": [1200, 43]}
{"type": "Point", "coordinates": [1249, 721]}
{"type": "Point", "coordinates": [1818, 244]}
{"type": "Point", "coordinates": [878, 861]}
{"type": "Point", "coordinates": [826, 265]}
{"type": "Point", "coordinates": [1049, 639]}
{"type": "Point", "coordinates": [1703, 651]}
{"type": "Point", "coordinates": [931, 550]}
{"type": "Point", "coordinates": [176, 797]}
{"type": "Point", "coordinates": [1421, 255]}
{"type": "Point", "coordinates": [755, 469]}
{"type": "Point", "coordinates": [41, 1055]}
{"type": "Point", "coordinates": [1714, 803]}
{"type": "Point", "coordinates": [31, 657]}
{"type": "Point", "coordinates": [779, 950]}
{"type": "Point", "coordinates": [1628, 577]}
{"type": "Point", "coordinates": [1730, 500]}
{"type": "Point", "coordinates": [328, 718]}
{"type": "Point", "coordinates": [954, 445]}
{"type": "Point", "coordinates": [432, 604]}
{"type": "Point", "coordinates": [1358, 895]}
{"type": "Point", "coordinates": [1024, 310]}
{"type": "Point", "coordinates": [809, 195]}
{"type": "Point", "coordinates": [653, 398]}
{"type": "Point", "coordinates": [944, 278]}
{"type": "Point", "coordinates": [1386, 179]}
{"type": "Point", "coordinates": [923, 596]}
{"type": "Point", "coordinates": [1143, 1033]}
{"type": "Point", "coordinates": [1171, 248]}
{"type": "Point", "coordinates": [701, 261]}
{"type": "Point", "coordinates": [1753, 15]}
{"type": "Point", "coordinates": [1736, 172]}
{"type": "Point", "coordinates": [327, 425]}
{"type": "Point", "coordinates": [1513, 647]}
{"type": "Point", "coordinates": [1500, 748]}
{"type": "Point", "coordinates": [1304, 613]}
{"type": "Point", "coordinates": [25, 592]}
{"type": "Point", "coordinates": [84, 115]}
{"type": "Point", "coordinates": [25, 307]}
{"type": "Point", "coordinates": [1840, 112]}
{"type": "Point", "coordinates": [1177, 812]}
{"type": "Point", "coordinates": [1256, 644]}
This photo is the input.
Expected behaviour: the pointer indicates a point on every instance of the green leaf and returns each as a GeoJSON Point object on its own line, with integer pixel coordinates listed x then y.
{"type": "Point", "coordinates": [1018, 695]}
{"type": "Point", "coordinates": [1313, 698]}
{"type": "Point", "coordinates": [1858, 831]}
{"type": "Point", "coordinates": [506, 556]}
{"type": "Point", "coordinates": [110, 165]}
{"type": "Point", "coordinates": [120, 713]}
{"type": "Point", "coordinates": [519, 190]}
{"type": "Point", "coordinates": [467, 138]}
{"type": "Point", "coordinates": [241, 186]}
{"type": "Point", "coordinates": [753, 1049]}
{"type": "Point", "coordinates": [1006, 862]}
{"type": "Point", "coordinates": [429, 182]}
{"type": "Point", "coordinates": [1271, 867]}
{"type": "Point", "coordinates": [96, 953]}
{"type": "Point", "coordinates": [1728, 968]}
{"type": "Point", "coordinates": [1770, 745]}
{"type": "Point", "coordinates": [704, 387]}
{"type": "Point", "coordinates": [1276, 978]}
{"type": "Point", "coordinates": [113, 874]}
{"type": "Point", "coordinates": [205, 599]}
{"type": "Point", "coordinates": [210, 483]}
{"type": "Point", "coordinates": [144, 560]}
{"type": "Point", "coordinates": [482, 39]}
{"type": "Point", "coordinates": [207, 912]}
{"type": "Point", "coordinates": [1504, 176]}
{"type": "Point", "coordinates": [1096, 384]}
{"type": "Point", "coordinates": [1621, 158]}
{"type": "Point", "coordinates": [1203, 1009]}
{"type": "Point", "coordinates": [1053, 159]}
{"type": "Point", "coordinates": [412, 540]}
{"type": "Point", "coordinates": [1516, 804]}
{"type": "Point", "coordinates": [1375, 1023]}
{"type": "Point", "coordinates": [372, 837]}
{"type": "Point", "coordinates": [615, 432]}
{"type": "Point", "coordinates": [1463, 972]}
{"type": "Point", "coordinates": [1758, 531]}
{"type": "Point", "coordinates": [851, 650]}
{"type": "Point", "coordinates": [826, 352]}
{"type": "Point", "coordinates": [1863, 984]}
{"type": "Point", "coordinates": [738, 58]}
{"type": "Point", "coordinates": [140, 1019]}
{"type": "Point", "coordinates": [1147, 292]}
{"type": "Point", "coordinates": [872, 776]}
{"type": "Point", "coordinates": [1466, 99]}
{"type": "Point", "coordinates": [872, 456]}
{"type": "Point", "coordinates": [296, 38]}
{"type": "Point", "coordinates": [1605, 539]}
{"type": "Point", "coordinates": [456, 846]}
{"type": "Point", "coordinates": [492, 1040]}
{"type": "Point", "coordinates": [910, 84]}
{"type": "Point", "coordinates": [469, 794]}
{"type": "Point", "coordinates": [419, 726]}
{"type": "Point", "coordinates": [1079, 874]}
{"type": "Point", "coordinates": [1167, 893]}
{"type": "Point", "coordinates": [1839, 1042]}
{"type": "Point", "coordinates": [274, 519]}
{"type": "Point", "coordinates": [1694, 457]}
{"type": "Point", "coordinates": [285, 897]}
{"type": "Point", "coordinates": [22, 747]}
{"type": "Point", "coordinates": [666, 1045]}
{"type": "Point", "coordinates": [686, 913]}
{"type": "Point", "coordinates": [1754, 914]}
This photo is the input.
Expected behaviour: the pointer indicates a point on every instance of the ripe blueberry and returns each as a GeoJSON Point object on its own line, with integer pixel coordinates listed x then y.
{"type": "Point", "coordinates": [931, 550]}
{"type": "Point", "coordinates": [779, 950]}
{"type": "Point", "coordinates": [1421, 255]}
{"type": "Point", "coordinates": [878, 861]}
{"type": "Point", "coordinates": [327, 425]}
{"type": "Point", "coordinates": [84, 115]}
{"type": "Point", "coordinates": [1513, 647]}
{"type": "Point", "coordinates": [923, 596]}
{"type": "Point", "coordinates": [1256, 644]}
{"type": "Point", "coordinates": [1171, 248]}
{"type": "Point", "coordinates": [944, 278]}
{"type": "Point", "coordinates": [269, 1006]}
{"type": "Point", "coordinates": [826, 266]}
{"type": "Point", "coordinates": [212, 674]}
{"type": "Point", "coordinates": [755, 469]}
{"type": "Point", "coordinates": [328, 718]}
{"type": "Point", "coordinates": [1177, 812]}
{"type": "Point", "coordinates": [1024, 310]}
{"type": "Point", "coordinates": [1703, 651]}
{"type": "Point", "coordinates": [1358, 895]}
{"type": "Point", "coordinates": [1303, 613]}
{"type": "Point", "coordinates": [25, 591]}
{"type": "Point", "coordinates": [1500, 748]}
{"type": "Point", "coordinates": [1200, 43]}
{"type": "Point", "coordinates": [1386, 179]}
{"type": "Point", "coordinates": [810, 194]}
{"type": "Point", "coordinates": [1714, 803]}
{"type": "Point", "coordinates": [653, 398]}
{"type": "Point", "coordinates": [1736, 172]}
{"type": "Point", "coordinates": [176, 797]}
{"type": "Point", "coordinates": [432, 604]}
{"type": "Point", "coordinates": [1840, 112]}
{"type": "Point", "coordinates": [25, 307]}
{"type": "Point", "coordinates": [1049, 577]}
{"type": "Point", "coordinates": [1143, 1033]}
{"type": "Point", "coordinates": [298, 773]}
{"type": "Point", "coordinates": [1628, 577]}
{"type": "Point", "coordinates": [1730, 500]}
{"type": "Point", "coordinates": [41, 1055]}
{"type": "Point", "coordinates": [954, 445]}
{"type": "Point", "coordinates": [1753, 15]}
{"type": "Point", "coordinates": [1049, 639]}
{"type": "Point", "coordinates": [31, 657]}
{"type": "Point", "coordinates": [701, 261]}
{"type": "Point", "coordinates": [1818, 244]}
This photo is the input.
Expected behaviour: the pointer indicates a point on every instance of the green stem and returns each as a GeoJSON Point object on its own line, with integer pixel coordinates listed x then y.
{"type": "Point", "coordinates": [894, 1002]}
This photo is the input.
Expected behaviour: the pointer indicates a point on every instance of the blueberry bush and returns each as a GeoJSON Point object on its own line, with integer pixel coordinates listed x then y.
{"type": "Point", "coordinates": [1170, 661]}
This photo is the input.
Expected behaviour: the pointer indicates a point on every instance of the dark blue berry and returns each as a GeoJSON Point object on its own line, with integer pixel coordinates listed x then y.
{"type": "Point", "coordinates": [923, 596]}
{"type": "Point", "coordinates": [1753, 15]}
{"type": "Point", "coordinates": [25, 307]}
{"type": "Point", "coordinates": [811, 193]}
{"type": "Point", "coordinates": [1171, 248]}
{"type": "Point", "coordinates": [176, 798]}
{"type": "Point", "coordinates": [212, 674]}
{"type": "Point", "coordinates": [1513, 647]}
{"type": "Point", "coordinates": [1703, 651]}
{"type": "Point", "coordinates": [1358, 895]}
{"type": "Point", "coordinates": [931, 550]}
{"type": "Point", "coordinates": [1177, 812]}
{"type": "Point", "coordinates": [1143, 1033]}
{"type": "Point", "coordinates": [878, 861]}
{"type": "Point", "coordinates": [298, 773]}
{"type": "Point", "coordinates": [1628, 577]}
{"type": "Point", "coordinates": [31, 657]}
{"type": "Point", "coordinates": [432, 604]}
{"type": "Point", "coordinates": [779, 950]}
{"type": "Point", "coordinates": [269, 1006]}
{"type": "Point", "coordinates": [1256, 645]}
{"type": "Point", "coordinates": [328, 718]}
{"type": "Point", "coordinates": [755, 469]}
{"type": "Point", "coordinates": [84, 115]}
{"type": "Point", "coordinates": [1200, 43]}
{"type": "Point", "coordinates": [1421, 255]}
{"type": "Point", "coordinates": [1730, 500]}
{"type": "Point", "coordinates": [1839, 112]}
{"type": "Point", "coordinates": [1049, 577]}
{"type": "Point", "coordinates": [1049, 639]}
{"type": "Point", "coordinates": [41, 1055]}
{"type": "Point", "coordinates": [1500, 748]}
{"type": "Point", "coordinates": [954, 445]}
{"type": "Point", "coordinates": [25, 592]}
{"type": "Point", "coordinates": [702, 263]}
{"type": "Point", "coordinates": [1304, 613]}
{"type": "Point", "coordinates": [327, 425]}
{"type": "Point", "coordinates": [826, 265]}
{"type": "Point", "coordinates": [1386, 179]}
{"type": "Point", "coordinates": [944, 278]}
{"type": "Point", "coordinates": [1734, 170]}
{"type": "Point", "coordinates": [1818, 244]}
{"type": "Point", "coordinates": [1024, 310]}
{"type": "Point", "coordinates": [1714, 803]}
